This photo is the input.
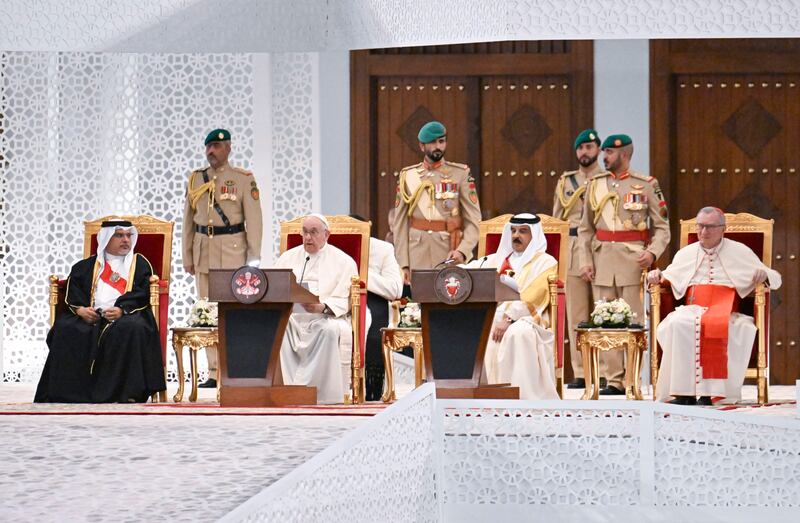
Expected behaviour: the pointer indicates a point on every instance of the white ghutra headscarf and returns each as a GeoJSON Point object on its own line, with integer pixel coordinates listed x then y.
{"type": "Point", "coordinates": [105, 295]}
{"type": "Point", "coordinates": [538, 241]}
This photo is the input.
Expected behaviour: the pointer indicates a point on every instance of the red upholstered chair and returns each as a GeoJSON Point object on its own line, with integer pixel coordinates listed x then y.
{"type": "Point", "coordinates": [155, 244]}
{"type": "Point", "coordinates": [352, 237]}
{"type": "Point", "coordinates": [557, 234]}
{"type": "Point", "coordinates": [756, 233]}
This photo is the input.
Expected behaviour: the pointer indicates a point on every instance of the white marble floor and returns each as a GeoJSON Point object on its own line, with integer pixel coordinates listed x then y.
{"type": "Point", "coordinates": [147, 468]}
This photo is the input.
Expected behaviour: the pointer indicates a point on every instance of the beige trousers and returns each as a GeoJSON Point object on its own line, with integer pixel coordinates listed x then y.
{"type": "Point", "coordinates": [579, 306]}
{"type": "Point", "coordinates": [201, 279]}
{"type": "Point", "coordinates": [612, 363]}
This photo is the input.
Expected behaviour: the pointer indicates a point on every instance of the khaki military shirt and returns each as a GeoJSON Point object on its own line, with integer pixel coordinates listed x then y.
{"type": "Point", "coordinates": [236, 192]}
{"type": "Point", "coordinates": [628, 202]}
{"type": "Point", "coordinates": [445, 191]}
{"type": "Point", "coordinates": [568, 206]}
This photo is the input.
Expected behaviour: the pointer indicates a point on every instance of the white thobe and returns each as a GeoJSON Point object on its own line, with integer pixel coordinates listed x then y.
{"type": "Point", "coordinates": [317, 348]}
{"type": "Point", "coordinates": [105, 296]}
{"type": "Point", "coordinates": [730, 264]}
{"type": "Point", "coordinates": [385, 277]}
{"type": "Point", "coordinates": [524, 356]}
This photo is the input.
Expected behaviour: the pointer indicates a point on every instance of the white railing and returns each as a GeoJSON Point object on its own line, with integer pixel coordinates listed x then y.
{"type": "Point", "coordinates": [382, 471]}
{"type": "Point", "coordinates": [514, 455]}
{"type": "Point", "coordinates": [468, 460]}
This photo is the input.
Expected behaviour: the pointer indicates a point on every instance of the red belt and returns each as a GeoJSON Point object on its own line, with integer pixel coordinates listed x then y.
{"type": "Point", "coordinates": [622, 236]}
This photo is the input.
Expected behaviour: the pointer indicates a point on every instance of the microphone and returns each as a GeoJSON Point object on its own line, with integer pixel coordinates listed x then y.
{"type": "Point", "coordinates": [445, 262]}
{"type": "Point", "coordinates": [483, 261]}
{"type": "Point", "coordinates": [303, 273]}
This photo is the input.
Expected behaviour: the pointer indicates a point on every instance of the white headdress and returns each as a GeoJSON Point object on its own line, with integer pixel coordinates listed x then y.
{"type": "Point", "coordinates": [107, 230]}
{"type": "Point", "coordinates": [538, 240]}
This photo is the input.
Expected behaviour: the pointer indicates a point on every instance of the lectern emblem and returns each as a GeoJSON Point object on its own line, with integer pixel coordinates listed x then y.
{"type": "Point", "coordinates": [249, 284]}
{"type": "Point", "coordinates": [453, 285]}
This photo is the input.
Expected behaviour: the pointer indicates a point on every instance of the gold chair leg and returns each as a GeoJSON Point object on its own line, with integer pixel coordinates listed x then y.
{"type": "Point", "coordinates": [178, 397]}
{"type": "Point", "coordinates": [588, 390]}
{"type": "Point", "coordinates": [193, 362]}
{"type": "Point", "coordinates": [419, 364]}
{"type": "Point", "coordinates": [388, 386]}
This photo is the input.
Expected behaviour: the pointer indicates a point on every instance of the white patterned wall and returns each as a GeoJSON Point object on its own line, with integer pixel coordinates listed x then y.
{"type": "Point", "coordinates": [90, 134]}
{"type": "Point", "coordinates": [149, 26]}
{"type": "Point", "coordinates": [294, 146]}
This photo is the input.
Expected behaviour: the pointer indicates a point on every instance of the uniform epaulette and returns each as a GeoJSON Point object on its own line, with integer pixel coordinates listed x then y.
{"type": "Point", "coordinates": [601, 175]}
{"type": "Point", "coordinates": [409, 167]}
{"type": "Point", "coordinates": [459, 165]}
{"type": "Point", "coordinates": [568, 173]}
{"type": "Point", "coordinates": [644, 177]}
{"type": "Point", "coordinates": [242, 171]}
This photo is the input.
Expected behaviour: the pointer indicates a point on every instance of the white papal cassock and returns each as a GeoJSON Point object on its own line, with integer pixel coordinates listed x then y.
{"type": "Point", "coordinates": [730, 264]}
{"type": "Point", "coordinates": [524, 357]}
{"type": "Point", "coordinates": [316, 349]}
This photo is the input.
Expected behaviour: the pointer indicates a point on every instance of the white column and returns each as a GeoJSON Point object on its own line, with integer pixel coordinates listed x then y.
{"type": "Point", "coordinates": [262, 149]}
{"type": "Point", "coordinates": [622, 94]}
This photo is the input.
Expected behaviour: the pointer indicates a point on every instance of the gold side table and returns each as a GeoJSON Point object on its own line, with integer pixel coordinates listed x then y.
{"type": "Point", "coordinates": [195, 338]}
{"type": "Point", "coordinates": [396, 339]}
{"type": "Point", "coordinates": [593, 340]}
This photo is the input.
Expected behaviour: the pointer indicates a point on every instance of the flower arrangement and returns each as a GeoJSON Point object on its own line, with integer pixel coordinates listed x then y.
{"type": "Point", "coordinates": [203, 314]}
{"type": "Point", "coordinates": [612, 314]}
{"type": "Point", "coordinates": [410, 314]}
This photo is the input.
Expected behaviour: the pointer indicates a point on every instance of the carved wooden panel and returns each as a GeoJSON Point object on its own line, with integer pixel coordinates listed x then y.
{"type": "Point", "coordinates": [512, 110]}
{"type": "Point", "coordinates": [725, 133]}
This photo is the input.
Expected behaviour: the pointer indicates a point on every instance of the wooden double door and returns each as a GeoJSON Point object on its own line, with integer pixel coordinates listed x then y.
{"type": "Point", "coordinates": [725, 126]}
{"type": "Point", "coordinates": [511, 109]}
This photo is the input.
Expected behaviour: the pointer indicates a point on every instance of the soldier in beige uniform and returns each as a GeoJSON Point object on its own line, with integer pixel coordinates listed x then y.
{"type": "Point", "coordinates": [624, 230]}
{"type": "Point", "coordinates": [568, 206]}
{"type": "Point", "coordinates": [437, 210]}
{"type": "Point", "coordinates": [221, 221]}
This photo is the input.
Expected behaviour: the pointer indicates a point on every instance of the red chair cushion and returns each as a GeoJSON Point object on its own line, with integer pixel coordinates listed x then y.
{"type": "Point", "coordinates": [754, 240]}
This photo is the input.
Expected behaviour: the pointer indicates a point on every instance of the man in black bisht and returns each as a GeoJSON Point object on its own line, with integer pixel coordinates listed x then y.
{"type": "Point", "coordinates": [105, 348]}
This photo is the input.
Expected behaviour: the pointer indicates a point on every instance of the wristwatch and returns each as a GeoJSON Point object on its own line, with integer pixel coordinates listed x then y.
{"type": "Point", "coordinates": [327, 310]}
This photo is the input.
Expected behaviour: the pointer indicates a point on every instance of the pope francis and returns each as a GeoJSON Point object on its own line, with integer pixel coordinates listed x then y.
{"type": "Point", "coordinates": [316, 348]}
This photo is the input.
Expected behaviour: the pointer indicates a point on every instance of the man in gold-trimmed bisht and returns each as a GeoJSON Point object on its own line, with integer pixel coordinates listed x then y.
{"type": "Point", "coordinates": [221, 221]}
{"type": "Point", "coordinates": [105, 347]}
{"type": "Point", "coordinates": [568, 206]}
{"type": "Point", "coordinates": [624, 229]}
{"type": "Point", "coordinates": [436, 208]}
{"type": "Point", "coordinates": [520, 347]}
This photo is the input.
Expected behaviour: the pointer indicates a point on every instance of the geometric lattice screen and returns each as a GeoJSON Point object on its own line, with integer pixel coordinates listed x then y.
{"type": "Point", "coordinates": [89, 134]}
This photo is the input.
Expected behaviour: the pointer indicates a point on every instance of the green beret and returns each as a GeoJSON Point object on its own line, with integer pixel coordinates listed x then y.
{"type": "Point", "coordinates": [587, 135]}
{"type": "Point", "coordinates": [431, 131]}
{"type": "Point", "coordinates": [616, 140]}
{"type": "Point", "coordinates": [218, 135]}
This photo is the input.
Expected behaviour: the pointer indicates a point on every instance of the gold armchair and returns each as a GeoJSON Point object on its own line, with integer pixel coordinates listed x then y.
{"type": "Point", "coordinates": [155, 244]}
{"type": "Point", "coordinates": [351, 236]}
{"type": "Point", "coordinates": [756, 233]}
{"type": "Point", "coordinates": [557, 234]}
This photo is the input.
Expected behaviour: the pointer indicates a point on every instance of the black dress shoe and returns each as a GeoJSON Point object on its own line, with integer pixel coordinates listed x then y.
{"type": "Point", "coordinates": [705, 401]}
{"type": "Point", "coordinates": [611, 391]}
{"type": "Point", "coordinates": [577, 383]}
{"type": "Point", "coordinates": [683, 400]}
{"type": "Point", "coordinates": [210, 383]}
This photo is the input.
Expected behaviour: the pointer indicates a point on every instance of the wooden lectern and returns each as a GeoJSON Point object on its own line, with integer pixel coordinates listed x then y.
{"type": "Point", "coordinates": [454, 336]}
{"type": "Point", "coordinates": [250, 337]}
